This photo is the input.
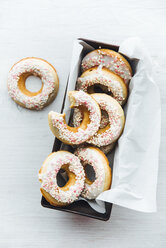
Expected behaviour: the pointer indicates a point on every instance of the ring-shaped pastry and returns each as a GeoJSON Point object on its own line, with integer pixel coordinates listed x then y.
{"type": "Point", "coordinates": [97, 159]}
{"type": "Point", "coordinates": [33, 67]}
{"type": "Point", "coordinates": [89, 125]}
{"type": "Point", "coordinates": [112, 60]}
{"type": "Point", "coordinates": [113, 130]}
{"type": "Point", "coordinates": [107, 80]}
{"type": "Point", "coordinates": [60, 196]}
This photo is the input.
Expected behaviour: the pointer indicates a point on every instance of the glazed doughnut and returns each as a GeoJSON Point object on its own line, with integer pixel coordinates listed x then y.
{"type": "Point", "coordinates": [77, 119]}
{"type": "Point", "coordinates": [112, 60]}
{"type": "Point", "coordinates": [89, 125]}
{"type": "Point", "coordinates": [113, 130]}
{"type": "Point", "coordinates": [99, 162]}
{"type": "Point", "coordinates": [106, 79]}
{"type": "Point", "coordinates": [36, 67]}
{"type": "Point", "coordinates": [60, 196]}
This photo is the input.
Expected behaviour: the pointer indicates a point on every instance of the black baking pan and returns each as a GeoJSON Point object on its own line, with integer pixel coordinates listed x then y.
{"type": "Point", "coordinates": [82, 207]}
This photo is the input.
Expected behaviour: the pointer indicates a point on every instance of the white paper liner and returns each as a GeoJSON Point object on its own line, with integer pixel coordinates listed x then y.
{"type": "Point", "coordinates": [136, 157]}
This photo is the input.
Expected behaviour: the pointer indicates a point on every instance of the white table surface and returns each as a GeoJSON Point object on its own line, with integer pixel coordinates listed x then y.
{"type": "Point", "coordinates": [46, 29]}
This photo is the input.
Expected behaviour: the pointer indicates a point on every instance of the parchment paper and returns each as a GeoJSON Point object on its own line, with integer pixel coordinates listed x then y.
{"type": "Point", "coordinates": [135, 165]}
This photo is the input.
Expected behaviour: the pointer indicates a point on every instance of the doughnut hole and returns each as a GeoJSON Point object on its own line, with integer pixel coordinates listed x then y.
{"type": "Point", "coordinates": [90, 175]}
{"type": "Point", "coordinates": [65, 178]}
{"type": "Point", "coordinates": [29, 84]}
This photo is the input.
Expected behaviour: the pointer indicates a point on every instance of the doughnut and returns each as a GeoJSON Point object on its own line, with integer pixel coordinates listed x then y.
{"type": "Point", "coordinates": [113, 130]}
{"type": "Point", "coordinates": [89, 125]}
{"type": "Point", "coordinates": [33, 67]}
{"type": "Point", "coordinates": [106, 79]}
{"type": "Point", "coordinates": [96, 158]}
{"type": "Point", "coordinates": [77, 119]}
{"type": "Point", "coordinates": [112, 60]}
{"type": "Point", "coordinates": [61, 196]}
